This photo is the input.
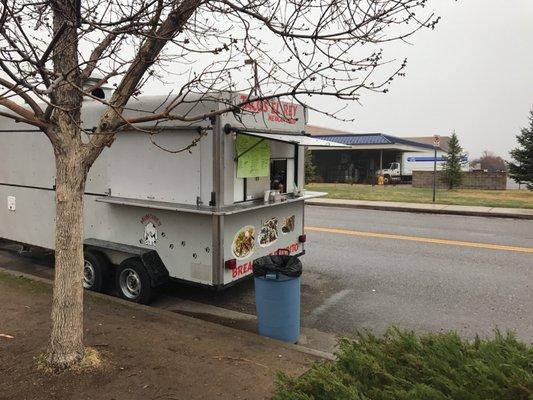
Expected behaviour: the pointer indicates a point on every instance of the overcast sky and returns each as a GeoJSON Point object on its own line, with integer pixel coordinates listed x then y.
{"type": "Point", "coordinates": [473, 73]}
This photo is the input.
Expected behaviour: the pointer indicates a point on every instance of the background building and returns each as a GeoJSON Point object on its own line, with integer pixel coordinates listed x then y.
{"type": "Point", "coordinates": [368, 153]}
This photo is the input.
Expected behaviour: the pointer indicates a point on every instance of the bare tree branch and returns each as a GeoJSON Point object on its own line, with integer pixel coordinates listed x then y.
{"type": "Point", "coordinates": [28, 116]}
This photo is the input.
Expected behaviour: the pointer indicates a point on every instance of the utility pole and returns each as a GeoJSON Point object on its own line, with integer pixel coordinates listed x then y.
{"type": "Point", "coordinates": [436, 144]}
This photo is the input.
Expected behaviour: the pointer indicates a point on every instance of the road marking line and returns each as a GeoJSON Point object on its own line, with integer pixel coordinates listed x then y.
{"type": "Point", "coordinates": [421, 239]}
{"type": "Point", "coordinates": [328, 303]}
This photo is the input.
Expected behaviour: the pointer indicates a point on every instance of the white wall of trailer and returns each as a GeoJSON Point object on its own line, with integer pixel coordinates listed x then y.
{"type": "Point", "coordinates": [132, 167]}
{"type": "Point", "coordinates": [138, 169]}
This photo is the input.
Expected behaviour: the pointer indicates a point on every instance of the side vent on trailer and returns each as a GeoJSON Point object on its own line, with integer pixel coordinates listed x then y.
{"type": "Point", "coordinates": [97, 90]}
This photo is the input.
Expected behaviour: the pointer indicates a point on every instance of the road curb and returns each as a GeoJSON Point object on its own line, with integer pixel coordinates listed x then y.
{"type": "Point", "coordinates": [472, 213]}
{"type": "Point", "coordinates": [169, 314]}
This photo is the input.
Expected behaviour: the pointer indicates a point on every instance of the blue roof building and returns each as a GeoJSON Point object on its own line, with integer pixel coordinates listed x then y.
{"type": "Point", "coordinates": [375, 140]}
{"type": "Point", "coordinates": [368, 153]}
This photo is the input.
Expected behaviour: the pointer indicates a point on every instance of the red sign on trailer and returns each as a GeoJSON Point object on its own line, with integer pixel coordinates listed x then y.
{"type": "Point", "coordinates": [274, 110]}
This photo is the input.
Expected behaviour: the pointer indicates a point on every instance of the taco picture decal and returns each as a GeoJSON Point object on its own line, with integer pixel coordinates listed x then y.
{"type": "Point", "coordinates": [269, 232]}
{"type": "Point", "coordinates": [288, 224]}
{"type": "Point", "coordinates": [243, 244]}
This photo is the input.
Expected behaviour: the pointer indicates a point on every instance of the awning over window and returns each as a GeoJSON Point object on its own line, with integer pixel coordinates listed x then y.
{"type": "Point", "coordinates": [300, 140]}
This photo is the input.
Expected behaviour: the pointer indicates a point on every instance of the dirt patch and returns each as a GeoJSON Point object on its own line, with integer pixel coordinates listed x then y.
{"type": "Point", "coordinates": [146, 355]}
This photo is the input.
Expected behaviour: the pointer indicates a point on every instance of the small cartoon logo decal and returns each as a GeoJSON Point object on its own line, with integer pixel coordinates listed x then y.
{"type": "Point", "coordinates": [150, 234]}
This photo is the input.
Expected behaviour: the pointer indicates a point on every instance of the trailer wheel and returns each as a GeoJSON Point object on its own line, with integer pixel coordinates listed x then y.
{"type": "Point", "coordinates": [133, 282]}
{"type": "Point", "coordinates": [95, 271]}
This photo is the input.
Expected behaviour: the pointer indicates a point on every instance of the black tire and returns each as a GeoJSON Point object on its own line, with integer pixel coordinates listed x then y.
{"type": "Point", "coordinates": [386, 180]}
{"type": "Point", "coordinates": [133, 282]}
{"type": "Point", "coordinates": [95, 271]}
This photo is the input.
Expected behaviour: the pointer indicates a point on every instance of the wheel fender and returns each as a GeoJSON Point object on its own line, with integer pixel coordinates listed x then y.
{"type": "Point", "coordinates": [155, 267]}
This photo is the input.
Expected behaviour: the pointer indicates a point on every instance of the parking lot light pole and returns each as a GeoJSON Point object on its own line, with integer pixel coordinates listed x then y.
{"type": "Point", "coordinates": [436, 144]}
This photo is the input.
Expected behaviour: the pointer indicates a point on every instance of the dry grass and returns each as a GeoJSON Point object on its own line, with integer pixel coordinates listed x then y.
{"type": "Point", "coordinates": [406, 193]}
{"type": "Point", "coordinates": [92, 361]}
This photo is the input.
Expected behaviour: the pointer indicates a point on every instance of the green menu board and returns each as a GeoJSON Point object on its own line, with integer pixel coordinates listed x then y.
{"type": "Point", "coordinates": [253, 156]}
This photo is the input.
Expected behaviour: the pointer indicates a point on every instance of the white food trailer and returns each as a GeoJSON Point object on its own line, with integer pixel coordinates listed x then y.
{"type": "Point", "coordinates": [150, 215]}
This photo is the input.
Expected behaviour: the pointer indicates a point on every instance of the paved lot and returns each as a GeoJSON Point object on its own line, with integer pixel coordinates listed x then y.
{"type": "Point", "coordinates": [420, 285]}
{"type": "Point", "coordinates": [370, 269]}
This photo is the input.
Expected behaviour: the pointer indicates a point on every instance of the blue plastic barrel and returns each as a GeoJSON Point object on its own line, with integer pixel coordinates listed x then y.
{"type": "Point", "coordinates": [277, 301]}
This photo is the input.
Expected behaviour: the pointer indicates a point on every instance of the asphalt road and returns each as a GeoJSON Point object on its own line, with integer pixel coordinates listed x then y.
{"type": "Point", "coordinates": [371, 269]}
{"type": "Point", "coordinates": [405, 280]}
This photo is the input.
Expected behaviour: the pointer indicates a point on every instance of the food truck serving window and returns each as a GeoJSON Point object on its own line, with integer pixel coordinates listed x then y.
{"type": "Point", "coordinates": [282, 177]}
{"type": "Point", "coordinates": [268, 161]}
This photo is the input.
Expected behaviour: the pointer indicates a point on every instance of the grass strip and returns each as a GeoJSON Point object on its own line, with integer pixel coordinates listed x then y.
{"type": "Point", "coordinates": [408, 194]}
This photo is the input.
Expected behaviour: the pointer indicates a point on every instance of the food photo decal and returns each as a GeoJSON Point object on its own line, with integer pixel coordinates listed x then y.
{"type": "Point", "coordinates": [244, 242]}
{"type": "Point", "coordinates": [288, 224]}
{"type": "Point", "coordinates": [269, 232]}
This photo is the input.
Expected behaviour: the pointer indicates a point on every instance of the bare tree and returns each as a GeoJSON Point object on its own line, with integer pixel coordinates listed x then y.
{"type": "Point", "coordinates": [264, 49]}
{"type": "Point", "coordinates": [490, 162]}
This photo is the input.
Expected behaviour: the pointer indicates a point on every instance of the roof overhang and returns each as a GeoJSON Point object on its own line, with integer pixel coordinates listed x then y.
{"type": "Point", "coordinates": [391, 146]}
{"type": "Point", "coordinates": [300, 140]}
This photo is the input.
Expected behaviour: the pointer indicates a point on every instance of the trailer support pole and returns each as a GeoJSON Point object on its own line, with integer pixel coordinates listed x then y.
{"type": "Point", "coordinates": [218, 163]}
{"type": "Point", "coordinates": [218, 252]}
{"type": "Point", "coordinates": [217, 200]}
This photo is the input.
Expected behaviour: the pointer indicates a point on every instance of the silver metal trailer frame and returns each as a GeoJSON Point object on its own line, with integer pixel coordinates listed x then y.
{"type": "Point", "coordinates": [176, 216]}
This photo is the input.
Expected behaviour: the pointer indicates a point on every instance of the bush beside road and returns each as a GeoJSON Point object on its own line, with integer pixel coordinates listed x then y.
{"type": "Point", "coordinates": [405, 193]}
{"type": "Point", "coordinates": [433, 366]}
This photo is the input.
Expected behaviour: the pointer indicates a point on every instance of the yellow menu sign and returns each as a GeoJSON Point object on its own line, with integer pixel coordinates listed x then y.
{"type": "Point", "coordinates": [253, 156]}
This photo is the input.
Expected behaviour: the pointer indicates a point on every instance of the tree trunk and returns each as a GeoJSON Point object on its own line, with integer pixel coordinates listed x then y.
{"type": "Point", "coordinates": [66, 343]}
